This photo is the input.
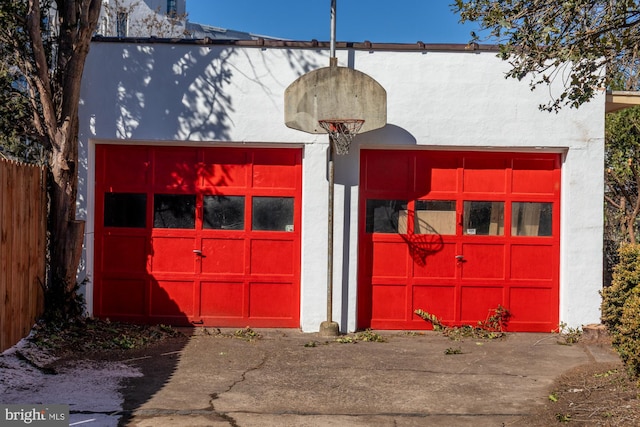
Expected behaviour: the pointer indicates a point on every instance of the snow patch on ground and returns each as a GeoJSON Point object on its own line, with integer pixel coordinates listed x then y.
{"type": "Point", "coordinates": [90, 388]}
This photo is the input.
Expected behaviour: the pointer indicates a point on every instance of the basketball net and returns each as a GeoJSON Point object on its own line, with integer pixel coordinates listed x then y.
{"type": "Point", "coordinates": [342, 132]}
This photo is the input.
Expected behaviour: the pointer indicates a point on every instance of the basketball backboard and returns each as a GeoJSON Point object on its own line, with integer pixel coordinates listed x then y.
{"type": "Point", "coordinates": [334, 93]}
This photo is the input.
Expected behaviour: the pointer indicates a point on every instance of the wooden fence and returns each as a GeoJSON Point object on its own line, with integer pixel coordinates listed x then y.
{"type": "Point", "coordinates": [22, 249]}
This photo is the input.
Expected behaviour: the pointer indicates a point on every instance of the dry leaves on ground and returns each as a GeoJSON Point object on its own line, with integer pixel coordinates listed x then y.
{"type": "Point", "coordinates": [596, 394]}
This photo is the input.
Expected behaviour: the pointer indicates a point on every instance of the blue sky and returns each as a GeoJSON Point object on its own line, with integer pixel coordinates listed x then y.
{"type": "Point", "coordinates": [389, 21]}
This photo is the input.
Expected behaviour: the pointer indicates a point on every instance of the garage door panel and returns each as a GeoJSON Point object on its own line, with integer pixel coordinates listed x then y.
{"type": "Point", "coordinates": [275, 169]}
{"type": "Point", "coordinates": [272, 257]}
{"type": "Point", "coordinates": [271, 300]}
{"type": "Point", "coordinates": [131, 163]}
{"type": "Point", "coordinates": [173, 255]}
{"type": "Point", "coordinates": [122, 297]}
{"type": "Point", "coordinates": [223, 256]}
{"type": "Point", "coordinates": [505, 236]}
{"type": "Point", "coordinates": [440, 264]}
{"type": "Point", "coordinates": [222, 299]}
{"type": "Point", "coordinates": [124, 254]}
{"type": "Point", "coordinates": [478, 302]}
{"type": "Point", "coordinates": [194, 252]}
{"type": "Point", "coordinates": [532, 304]}
{"type": "Point", "coordinates": [390, 259]}
{"type": "Point", "coordinates": [172, 298]}
{"type": "Point", "coordinates": [532, 262]}
{"type": "Point", "coordinates": [484, 175]}
{"type": "Point", "coordinates": [175, 169]}
{"type": "Point", "coordinates": [436, 300]}
{"type": "Point", "coordinates": [482, 261]}
{"type": "Point", "coordinates": [227, 168]}
{"type": "Point", "coordinates": [534, 176]}
{"type": "Point", "coordinates": [436, 174]}
{"type": "Point", "coordinates": [389, 302]}
{"type": "Point", "coordinates": [391, 172]}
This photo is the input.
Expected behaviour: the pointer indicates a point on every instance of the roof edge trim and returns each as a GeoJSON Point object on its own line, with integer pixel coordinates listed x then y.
{"type": "Point", "coordinates": [312, 44]}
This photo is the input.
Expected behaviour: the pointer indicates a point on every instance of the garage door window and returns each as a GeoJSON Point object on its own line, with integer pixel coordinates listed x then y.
{"type": "Point", "coordinates": [531, 219]}
{"type": "Point", "coordinates": [484, 218]}
{"type": "Point", "coordinates": [272, 214]}
{"type": "Point", "coordinates": [174, 211]}
{"type": "Point", "coordinates": [125, 210]}
{"type": "Point", "coordinates": [435, 217]}
{"type": "Point", "coordinates": [386, 216]}
{"type": "Point", "coordinates": [223, 212]}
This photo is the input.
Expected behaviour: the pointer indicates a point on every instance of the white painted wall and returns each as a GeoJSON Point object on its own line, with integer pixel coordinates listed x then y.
{"type": "Point", "coordinates": [207, 95]}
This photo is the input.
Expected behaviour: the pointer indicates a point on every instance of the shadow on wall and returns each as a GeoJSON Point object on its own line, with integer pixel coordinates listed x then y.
{"type": "Point", "coordinates": [181, 99]}
{"type": "Point", "coordinates": [347, 167]}
{"type": "Point", "coordinates": [180, 93]}
{"type": "Point", "coordinates": [170, 93]}
{"type": "Point", "coordinates": [347, 174]}
{"type": "Point", "coordinates": [167, 93]}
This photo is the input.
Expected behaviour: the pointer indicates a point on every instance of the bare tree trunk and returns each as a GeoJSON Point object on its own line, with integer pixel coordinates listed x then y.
{"type": "Point", "coordinates": [633, 216]}
{"type": "Point", "coordinates": [66, 232]}
{"type": "Point", "coordinates": [631, 230]}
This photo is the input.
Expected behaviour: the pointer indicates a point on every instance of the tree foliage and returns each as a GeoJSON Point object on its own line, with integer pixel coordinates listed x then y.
{"type": "Point", "coordinates": [44, 46]}
{"type": "Point", "coordinates": [621, 308]}
{"type": "Point", "coordinates": [16, 126]}
{"type": "Point", "coordinates": [568, 41]}
{"type": "Point", "coordinates": [17, 129]}
{"type": "Point", "coordinates": [622, 176]}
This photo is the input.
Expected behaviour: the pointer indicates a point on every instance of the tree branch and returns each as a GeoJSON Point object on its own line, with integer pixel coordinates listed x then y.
{"type": "Point", "coordinates": [41, 77]}
{"type": "Point", "coordinates": [73, 56]}
{"type": "Point", "coordinates": [612, 202]}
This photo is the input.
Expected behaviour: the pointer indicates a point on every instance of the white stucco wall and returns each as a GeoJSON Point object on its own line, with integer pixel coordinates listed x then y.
{"type": "Point", "coordinates": [188, 94]}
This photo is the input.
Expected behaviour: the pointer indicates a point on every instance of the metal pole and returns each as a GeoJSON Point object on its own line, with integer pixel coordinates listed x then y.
{"type": "Point", "coordinates": [332, 50]}
{"type": "Point", "coordinates": [330, 238]}
{"type": "Point", "coordinates": [332, 62]}
{"type": "Point", "coordinates": [329, 328]}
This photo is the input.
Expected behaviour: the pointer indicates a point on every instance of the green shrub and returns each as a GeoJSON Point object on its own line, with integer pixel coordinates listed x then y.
{"type": "Point", "coordinates": [626, 277]}
{"type": "Point", "coordinates": [621, 308]}
{"type": "Point", "coordinates": [627, 339]}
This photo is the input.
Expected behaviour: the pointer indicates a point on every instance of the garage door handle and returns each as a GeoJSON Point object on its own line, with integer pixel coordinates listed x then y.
{"type": "Point", "coordinates": [197, 252]}
{"type": "Point", "coordinates": [459, 257]}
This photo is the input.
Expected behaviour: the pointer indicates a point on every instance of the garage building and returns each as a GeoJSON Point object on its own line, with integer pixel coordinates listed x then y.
{"type": "Point", "coordinates": [204, 208]}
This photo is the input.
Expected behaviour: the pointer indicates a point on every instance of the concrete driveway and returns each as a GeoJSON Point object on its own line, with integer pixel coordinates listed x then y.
{"type": "Point", "coordinates": [288, 378]}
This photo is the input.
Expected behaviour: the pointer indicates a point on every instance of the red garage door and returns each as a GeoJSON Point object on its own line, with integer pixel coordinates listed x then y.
{"type": "Point", "coordinates": [205, 236]}
{"type": "Point", "coordinates": [456, 234]}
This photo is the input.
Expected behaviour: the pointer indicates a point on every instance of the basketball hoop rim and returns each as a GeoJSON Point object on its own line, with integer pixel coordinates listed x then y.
{"type": "Point", "coordinates": [341, 132]}
{"type": "Point", "coordinates": [341, 120]}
